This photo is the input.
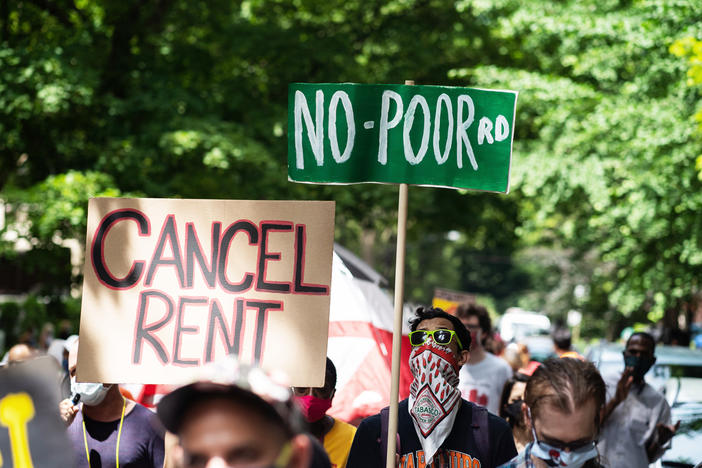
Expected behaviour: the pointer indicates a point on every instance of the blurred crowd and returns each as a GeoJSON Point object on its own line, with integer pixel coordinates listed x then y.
{"type": "Point", "coordinates": [474, 401]}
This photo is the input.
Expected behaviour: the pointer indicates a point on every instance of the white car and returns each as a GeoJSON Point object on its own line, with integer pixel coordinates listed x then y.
{"type": "Point", "coordinates": [516, 324]}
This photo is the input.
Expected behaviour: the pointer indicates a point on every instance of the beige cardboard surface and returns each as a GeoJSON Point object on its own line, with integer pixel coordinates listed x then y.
{"type": "Point", "coordinates": [449, 300]}
{"type": "Point", "coordinates": [172, 284]}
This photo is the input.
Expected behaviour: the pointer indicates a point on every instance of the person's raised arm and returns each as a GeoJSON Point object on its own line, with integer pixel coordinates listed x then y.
{"type": "Point", "coordinates": [622, 391]}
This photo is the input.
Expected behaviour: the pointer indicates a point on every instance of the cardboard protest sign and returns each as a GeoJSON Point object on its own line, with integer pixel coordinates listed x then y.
{"type": "Point", "coordinates": [170, 285]}
{"type": "Point", "coordinates": [449, 300]}
{"type": "Point", "coordinates": [422, 135]}
{"type": "Point", "coordinates": [31, 430]}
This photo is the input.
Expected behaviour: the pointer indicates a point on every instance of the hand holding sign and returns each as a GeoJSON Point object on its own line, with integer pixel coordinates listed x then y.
{"type": "Point", "coordinates": [401, 157]}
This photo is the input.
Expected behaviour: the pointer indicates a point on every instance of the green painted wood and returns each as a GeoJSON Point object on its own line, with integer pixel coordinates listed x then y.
{"type": "Point", "coordinates": [423, 135]}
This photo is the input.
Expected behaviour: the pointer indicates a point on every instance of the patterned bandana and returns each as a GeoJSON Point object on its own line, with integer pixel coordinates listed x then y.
{"type": "Point", "coordinates": [434, 397]}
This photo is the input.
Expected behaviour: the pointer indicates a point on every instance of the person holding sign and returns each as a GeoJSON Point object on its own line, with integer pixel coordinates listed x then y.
{"type": "Point", "coordinates": [435, 424]}
{"type": "Point", "coordinates": [109, 430]}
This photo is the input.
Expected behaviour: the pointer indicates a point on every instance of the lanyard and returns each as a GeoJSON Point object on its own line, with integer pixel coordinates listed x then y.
{"type": "Point", "coordinates": [119, 435]}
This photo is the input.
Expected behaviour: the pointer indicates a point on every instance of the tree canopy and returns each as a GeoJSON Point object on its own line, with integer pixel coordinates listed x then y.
{"type": "Point", "coordinates": [170, 98]}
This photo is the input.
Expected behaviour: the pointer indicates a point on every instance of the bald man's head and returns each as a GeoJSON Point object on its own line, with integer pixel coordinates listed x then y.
{"type": "Point", "coordinates": [20, 352]}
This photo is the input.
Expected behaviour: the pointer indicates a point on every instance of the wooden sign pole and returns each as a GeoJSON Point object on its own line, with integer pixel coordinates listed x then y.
{"type": "Point", "coordinates": [397, 329]}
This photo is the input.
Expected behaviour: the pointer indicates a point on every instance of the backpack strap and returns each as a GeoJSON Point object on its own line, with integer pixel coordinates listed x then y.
{"type": "Point", "coordinates": [481, 432]}
{"type": "Point", "coordinates": [384, 418]}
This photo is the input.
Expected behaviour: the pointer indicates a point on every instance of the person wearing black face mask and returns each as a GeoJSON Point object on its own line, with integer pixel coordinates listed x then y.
{"type": "Point", "coordinates": [511, 403]}
{"type": "Point", "coordinates": [637, 425]}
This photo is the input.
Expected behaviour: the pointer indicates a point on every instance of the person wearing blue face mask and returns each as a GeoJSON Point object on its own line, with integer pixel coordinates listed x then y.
{"type": "Point", "coordinates": [563, 401]}
{"type": "Point", "coordinates": [637, 424]}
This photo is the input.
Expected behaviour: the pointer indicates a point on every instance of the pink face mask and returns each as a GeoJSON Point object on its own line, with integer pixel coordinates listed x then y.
{"type": "Point", "coordinates": [313, 408]}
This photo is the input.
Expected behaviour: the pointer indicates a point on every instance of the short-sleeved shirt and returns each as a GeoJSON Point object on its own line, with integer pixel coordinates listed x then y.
{"type": "Point", "coordinates": [523, 460]}
{"type": "Point", "coordinates": [631, 424]}
{"type": "Point", "coordinates": [482, 383]}
{"type": "Point", "coordinates": [458, 450]}
{"type": "Point", "coordinates": [337, 443]}
{"type": "Point", "coordinates": [140, 444]}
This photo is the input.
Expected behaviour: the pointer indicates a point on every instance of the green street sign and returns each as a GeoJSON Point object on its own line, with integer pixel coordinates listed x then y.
{"type": "Point", "coordinates": [423, 135]}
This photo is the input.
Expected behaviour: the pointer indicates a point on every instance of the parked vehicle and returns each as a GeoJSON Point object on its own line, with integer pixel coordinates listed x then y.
{"type": "Point", "coordinates": [530, 328]}
{"type": "Point", "coordinates": [516, 324]}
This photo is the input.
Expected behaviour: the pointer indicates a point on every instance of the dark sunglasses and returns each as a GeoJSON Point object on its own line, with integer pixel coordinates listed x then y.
{"type": "Point", "coordinates": [440, 337]}
{"type": "Point", "coordinates": [575, 446]}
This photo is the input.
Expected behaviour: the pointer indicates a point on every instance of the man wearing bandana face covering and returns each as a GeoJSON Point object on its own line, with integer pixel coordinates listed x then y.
{"type": "Point", "coordinates": [637, 424]}
{"type": "Point", "coordinates": [435, 424]}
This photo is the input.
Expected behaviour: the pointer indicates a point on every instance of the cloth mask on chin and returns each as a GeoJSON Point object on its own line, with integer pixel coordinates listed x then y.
{"type": "Point", "coordinates": [91, 394]}
{"type": "Point", "coordinates": [434, 396]}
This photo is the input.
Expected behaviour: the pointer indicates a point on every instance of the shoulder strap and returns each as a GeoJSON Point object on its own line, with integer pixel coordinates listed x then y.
{"type": "Point", "coordinates": [481, 432]}
{"type": "Point", "coordinates": [384, 418]}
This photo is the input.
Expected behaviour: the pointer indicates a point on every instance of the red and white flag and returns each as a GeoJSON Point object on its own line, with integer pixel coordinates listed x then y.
{"type": "Point", "coordinates": [360, 345]}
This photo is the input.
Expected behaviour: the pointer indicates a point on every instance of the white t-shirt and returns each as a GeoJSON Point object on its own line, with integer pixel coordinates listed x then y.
{"type": "Point", "coordinates": [623, 438]}
{"type": "Point", "coordinates": [482, 383]}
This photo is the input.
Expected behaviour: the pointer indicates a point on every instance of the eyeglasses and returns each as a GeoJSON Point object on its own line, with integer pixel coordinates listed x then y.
{"type": "Point", "coordinates": [441, 337]}
{"type": "Point", "coordinates": [575, 446]}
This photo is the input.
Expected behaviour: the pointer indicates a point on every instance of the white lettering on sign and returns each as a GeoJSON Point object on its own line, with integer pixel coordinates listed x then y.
{"type": "Point", "coordinates": [315, 133]}
{"type": "Point", "coordinates": [484, 129]}
{"type": "Point", "coordinates": [409, 121]}
{"type": "Point", "coordinates": [501, 128]}
{"type": "Point", "coordinates": [461, 134]}
{"type": "Point", "coordinates": [350, 126]}
{"type": "Point", "coordinates": [443, 157]}
{"type": "Point", "coordinates": [487, 131]}
{"type": "Point", "coordinates": [386, 125]}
